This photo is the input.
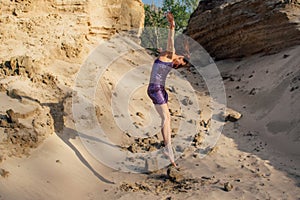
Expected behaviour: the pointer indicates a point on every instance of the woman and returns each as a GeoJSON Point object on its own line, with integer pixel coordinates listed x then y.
{"type": "Point", "coordinates": [156, 89]}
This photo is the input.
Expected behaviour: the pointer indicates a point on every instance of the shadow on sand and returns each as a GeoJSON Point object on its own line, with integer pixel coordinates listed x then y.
{"type": "Point", "coordinates": [66, 134]}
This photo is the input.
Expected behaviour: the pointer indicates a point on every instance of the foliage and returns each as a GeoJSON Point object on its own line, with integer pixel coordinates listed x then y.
{"type": "Point", "coordinates": [191, 5]}
{"type": "Point", "coordinates": [155, 28]}
{"type": "Point", "coordinates": [180, 12]}
{"type": "Point", "coordinates": [155, 37]}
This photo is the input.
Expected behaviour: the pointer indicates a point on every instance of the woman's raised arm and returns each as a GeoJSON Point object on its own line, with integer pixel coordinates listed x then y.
{"type": "Point", "coordinates": [170, 42]}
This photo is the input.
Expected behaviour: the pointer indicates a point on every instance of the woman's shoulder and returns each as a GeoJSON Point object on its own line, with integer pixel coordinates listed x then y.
{"type": "Point", "coordinates": [165, 56]}
{"type": "Point", "coordinates": [166, 61]}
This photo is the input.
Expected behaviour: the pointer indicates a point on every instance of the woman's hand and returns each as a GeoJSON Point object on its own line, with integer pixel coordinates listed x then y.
{"type": "Point", "coordinates": [170, 18]}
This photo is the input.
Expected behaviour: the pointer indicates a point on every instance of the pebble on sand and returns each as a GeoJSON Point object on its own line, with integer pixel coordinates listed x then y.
{"type": "Point", "coordinates": [227, 187]}
{"type": "Point", "coordinates": [4, 173]}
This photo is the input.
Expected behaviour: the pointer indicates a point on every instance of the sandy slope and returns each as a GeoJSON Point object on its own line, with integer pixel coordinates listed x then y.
{"type": "Point", "coordinates": [258, 154]}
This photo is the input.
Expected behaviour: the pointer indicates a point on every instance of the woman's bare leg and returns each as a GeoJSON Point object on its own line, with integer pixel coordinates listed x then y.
{"type": "Point", "coordinates": [164, 113]}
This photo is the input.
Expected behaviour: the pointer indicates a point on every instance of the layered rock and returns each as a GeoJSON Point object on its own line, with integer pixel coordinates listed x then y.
{"type": "Point", "coordinates": [26, 117]}
{"type": "Point", "coordinates": [60, 29]}
{"type": "Point", "coordinates": [238, 28]}
{"type": "Point", "coordinates": [109, 16]}
{"type": "Point", "coordinates": [24, 124]}
{"type": "Point", "coordinates": [43, 43]}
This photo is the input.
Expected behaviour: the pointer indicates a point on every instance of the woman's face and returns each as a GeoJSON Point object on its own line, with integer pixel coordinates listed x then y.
{"type": "Point", "coordinates": [179, 61]}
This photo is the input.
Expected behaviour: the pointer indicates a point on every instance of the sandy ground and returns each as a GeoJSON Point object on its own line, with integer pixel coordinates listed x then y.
{"type": "Point", "coordinates": [53, 103]}
{"type": "Point", "coordinates": [258, 155]}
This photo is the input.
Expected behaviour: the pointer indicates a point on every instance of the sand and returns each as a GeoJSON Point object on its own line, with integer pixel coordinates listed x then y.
{"type": "Point", "coordinates": [255, 157]}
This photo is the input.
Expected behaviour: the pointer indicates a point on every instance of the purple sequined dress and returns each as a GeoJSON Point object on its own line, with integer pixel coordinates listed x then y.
{"type": "Point", "coordinates": [156, 89]}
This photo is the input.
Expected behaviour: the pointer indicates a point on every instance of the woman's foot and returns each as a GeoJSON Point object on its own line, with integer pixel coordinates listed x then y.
{"type": "Point", "coordinates": [168, 151]}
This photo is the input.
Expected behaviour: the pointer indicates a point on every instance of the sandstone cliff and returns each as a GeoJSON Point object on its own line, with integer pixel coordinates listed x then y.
{"type": "Point", "coordinates": [42, 45]}
{"type": "Point", "coordinates": [238, 28]}
{"type": "Point", "coordinates": [58, 27]}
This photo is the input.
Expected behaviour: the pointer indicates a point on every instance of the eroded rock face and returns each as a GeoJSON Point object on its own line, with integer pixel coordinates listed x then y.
{"type": "Point", "coordinates": [60, 29]}
{"type": "Point", "coordinates": [106, 16]}
{"type": "Point", "coordinates": [23, 126]}
{"type": "Point", "coordinates": [238, 28]}
{"type": "Point", "coordinates": [41, 42]}
{"type": "Point", "coordinates": [25, 119]}
{"type": "Point", "coordinates": [109, 16]}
